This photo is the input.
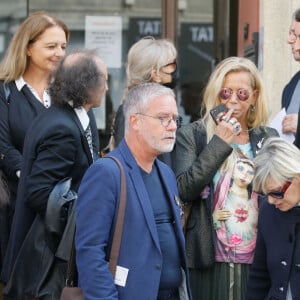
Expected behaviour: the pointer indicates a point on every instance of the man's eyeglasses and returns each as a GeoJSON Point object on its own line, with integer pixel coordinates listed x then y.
{"type": "Point", "coordinates": [242, 94]}
{"type": "Point", "coordinates": [165, 120]}
{"type": "Point", "coordinates": [279, 194]}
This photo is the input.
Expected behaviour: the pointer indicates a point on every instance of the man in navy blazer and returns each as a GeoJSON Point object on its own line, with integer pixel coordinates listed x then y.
{"type": "Point", "coordinates": [151, 263]}
{"type": "Point", "coordinates": [19, 107]}
{"type": "Point", "coordinates": [55, 148]}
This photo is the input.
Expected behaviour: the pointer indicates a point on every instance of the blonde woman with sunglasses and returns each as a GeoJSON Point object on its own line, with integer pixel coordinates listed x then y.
{"type": "Point", "coordinates": [275, 272]}
{"type": "Point", "coordinates": [213, 169]}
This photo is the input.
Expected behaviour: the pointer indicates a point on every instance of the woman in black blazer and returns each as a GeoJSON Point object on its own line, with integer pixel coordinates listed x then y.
{"type": "Point", "coordinates": [275, 272]}
{"type": "Point", "coordinates": [25, 71]}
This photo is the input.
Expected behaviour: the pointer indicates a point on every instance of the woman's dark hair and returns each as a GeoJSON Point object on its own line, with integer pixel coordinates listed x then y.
{"type": "Point", "coordinates": [74, 82]}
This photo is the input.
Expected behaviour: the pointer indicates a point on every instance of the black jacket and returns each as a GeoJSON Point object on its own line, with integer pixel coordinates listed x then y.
{"type": "Point", "coordinates": [277, 255]}
{"type": "Point", "coordinates": [196, 164]}
{"type": "Point", "coordinates": [46, 248]}
{"type": "Point", "coordinates": [18, 109]}
{"type": "Point", "coordinates": [55, 148]}
{"type": "Point", "coordinates": [288, 91]}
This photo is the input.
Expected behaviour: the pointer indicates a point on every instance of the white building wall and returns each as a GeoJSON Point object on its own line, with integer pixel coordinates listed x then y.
{"type": "Point", "coordinates": [278, 65]}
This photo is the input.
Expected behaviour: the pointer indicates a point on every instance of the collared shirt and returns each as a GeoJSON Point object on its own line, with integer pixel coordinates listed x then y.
{"type": "Point", "coordinates": [46, 101]}
{"type": "Point", "coordinates": [85, 122]}
{"type": "Point", "coordinates": [83, 117]}
{"type": "Point", "coordinates": [289, 294]}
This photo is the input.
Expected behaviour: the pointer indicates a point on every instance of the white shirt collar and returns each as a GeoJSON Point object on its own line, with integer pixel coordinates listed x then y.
{"type": "Point", "coordinates": [20, 82]}
{"type": "Point", "coordinates": [83, 117]}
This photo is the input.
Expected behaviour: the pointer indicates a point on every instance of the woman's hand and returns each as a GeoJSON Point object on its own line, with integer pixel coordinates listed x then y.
{"type": "Point", "coordinates": [228, 127]}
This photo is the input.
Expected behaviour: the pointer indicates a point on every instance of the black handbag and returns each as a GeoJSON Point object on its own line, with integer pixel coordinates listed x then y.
{"type": "Point", "coordinates": [38, 270]}
{"type": "Point", "coordinates": [70, 291]}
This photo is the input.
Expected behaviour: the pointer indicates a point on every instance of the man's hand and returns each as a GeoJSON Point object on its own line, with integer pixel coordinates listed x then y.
{"type": "Point", "coordinates": [289, 123]}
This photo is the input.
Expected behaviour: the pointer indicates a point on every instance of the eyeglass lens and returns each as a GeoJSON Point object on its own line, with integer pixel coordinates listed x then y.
{"type": "Point", "coordinates": [171, 67]}
{"type": "Point", "coordinates": [242, 94]}
{"type": "Point", "coordinates": [167, 121]}
{"type": "Point", "coordinates": [279, 194]}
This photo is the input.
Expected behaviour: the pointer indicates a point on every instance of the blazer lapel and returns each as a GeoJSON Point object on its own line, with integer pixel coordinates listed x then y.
{"type": "Point", "coordinates": [174, 204]}
{"type": "Point", "coordinates": [173, 199]}
{"type": "Point", "coordinates": [141, 192]}
{"type": "Point", "coordinates": [145, 203]}
{"type": "Point", "coordinates": [39, 107]}
{"type": "Point", "coordinates": [257, 139]}
{"type": "Point", "coordinates": [83, 138]}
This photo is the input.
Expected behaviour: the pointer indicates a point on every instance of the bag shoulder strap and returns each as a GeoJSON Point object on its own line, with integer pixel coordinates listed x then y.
{"type": "Point", "coordinates": [117, 237]}
{"type": "Point", "coordinates": [116, 240]}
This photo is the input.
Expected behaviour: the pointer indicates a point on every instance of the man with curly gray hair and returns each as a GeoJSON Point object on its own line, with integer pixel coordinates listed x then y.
{"type": "Point", "coordinates": [56, 147]}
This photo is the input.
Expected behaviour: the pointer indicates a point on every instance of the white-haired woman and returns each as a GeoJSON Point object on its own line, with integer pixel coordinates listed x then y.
{"type": "Point", "coordinates": [148, 60]}
{"type": "Point", "coordinates": [275, 273]}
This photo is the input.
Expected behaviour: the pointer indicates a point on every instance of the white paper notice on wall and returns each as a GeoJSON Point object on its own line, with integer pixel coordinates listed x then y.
{"type": "Point", "coordinates": [104, 33]}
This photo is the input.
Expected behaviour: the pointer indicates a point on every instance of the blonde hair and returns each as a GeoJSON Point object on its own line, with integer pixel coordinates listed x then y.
{"type": "Point", "coordinates": [277, 159]}
{"type": "Point", "coordinates": [256, 117]}
{"type": "Point", "coordinates": [15, 60]}
{"type": "Point", "coordinates": [146, 55]}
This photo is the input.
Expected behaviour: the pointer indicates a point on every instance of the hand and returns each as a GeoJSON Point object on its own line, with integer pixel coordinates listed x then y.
{"type": "Point", "coordinates": [227, 127]}
{"type": "Point", "coordinates": [289, 123]}
{"type": "Point", "coordinates": [221, 215]}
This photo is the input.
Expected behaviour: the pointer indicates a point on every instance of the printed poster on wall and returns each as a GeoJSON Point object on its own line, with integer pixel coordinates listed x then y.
{"type": "Point", "coordinates": [105, 35]}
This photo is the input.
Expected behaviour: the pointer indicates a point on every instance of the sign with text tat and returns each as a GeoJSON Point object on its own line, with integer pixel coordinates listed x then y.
{"type": "Point", "coordinates": [105, 35]}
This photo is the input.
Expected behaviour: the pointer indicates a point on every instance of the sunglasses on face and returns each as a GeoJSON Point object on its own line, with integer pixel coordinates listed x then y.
{"type": "Point", "coordinates": [278, 194]}
{"type": "Point", "coordinates": [242, 94]}
{"type": "Point", "coordinates": [171, 64]}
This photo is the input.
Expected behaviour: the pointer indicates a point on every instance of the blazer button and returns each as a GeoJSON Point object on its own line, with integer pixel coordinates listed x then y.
{"type": "Point", "coordinates": [297, 267]}
{"type": "Point", "coordinates": [283, 262]}
{"type": "Point", "coordinates": [158, 267]}
{"type": "Point", "coordinates": [281, 289]}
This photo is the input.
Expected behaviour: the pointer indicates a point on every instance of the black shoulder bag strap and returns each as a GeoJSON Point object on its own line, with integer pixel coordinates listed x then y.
{"type": "Point", "coordinates": [116, 241]}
